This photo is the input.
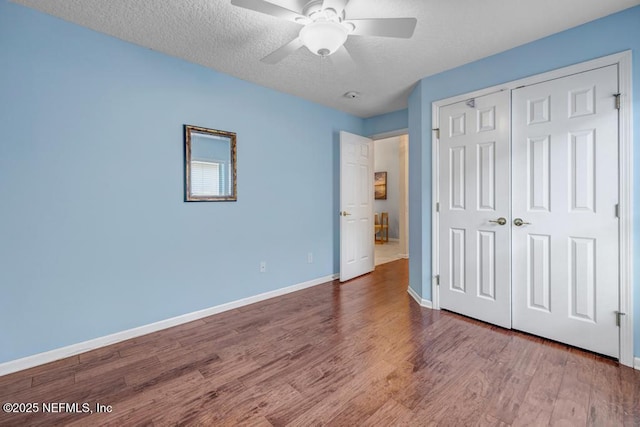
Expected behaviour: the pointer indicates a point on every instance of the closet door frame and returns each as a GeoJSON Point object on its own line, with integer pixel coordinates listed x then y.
{"type": "Point", "coordinates": [623, 60]}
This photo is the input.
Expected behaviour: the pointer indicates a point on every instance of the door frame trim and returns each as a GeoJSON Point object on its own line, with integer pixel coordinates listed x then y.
{"type": "Point", "coordinates": [625, 125]}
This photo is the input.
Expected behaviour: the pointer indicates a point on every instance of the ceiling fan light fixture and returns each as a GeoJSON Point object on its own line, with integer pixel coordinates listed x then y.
{"type": "Point", "coordinates": [323, 37]}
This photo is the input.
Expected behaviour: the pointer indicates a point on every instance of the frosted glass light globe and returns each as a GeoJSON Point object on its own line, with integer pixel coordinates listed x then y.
{"type": "Point", "coordinates": [323, 37]}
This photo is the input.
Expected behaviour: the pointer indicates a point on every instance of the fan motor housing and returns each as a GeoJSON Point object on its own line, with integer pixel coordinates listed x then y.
{"type": "Point", "coordinates": [315, 6]}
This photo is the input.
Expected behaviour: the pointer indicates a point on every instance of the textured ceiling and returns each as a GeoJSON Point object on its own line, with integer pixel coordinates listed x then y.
{"type": "Point", "coordinates": [232, 40]}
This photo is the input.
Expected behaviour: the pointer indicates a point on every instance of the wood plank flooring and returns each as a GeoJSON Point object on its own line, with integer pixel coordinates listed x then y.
{"type": "Point", "coordinates": [360, 353]}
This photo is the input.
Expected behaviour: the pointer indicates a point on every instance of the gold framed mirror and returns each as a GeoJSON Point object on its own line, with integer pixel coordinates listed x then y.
{"type": "Point", "coordinates": [210, 165]}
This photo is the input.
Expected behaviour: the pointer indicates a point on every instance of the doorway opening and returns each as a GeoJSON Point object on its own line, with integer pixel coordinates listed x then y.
{"type": "Point", "coordinates": [390, 203]}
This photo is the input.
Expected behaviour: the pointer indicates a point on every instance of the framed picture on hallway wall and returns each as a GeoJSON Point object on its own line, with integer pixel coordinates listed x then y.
{"type": "Point", "coordinates": [380, 186]}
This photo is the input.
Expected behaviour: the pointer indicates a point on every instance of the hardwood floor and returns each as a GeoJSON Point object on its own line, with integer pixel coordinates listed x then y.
{"type": "Point", "coordinates": [360, 353]}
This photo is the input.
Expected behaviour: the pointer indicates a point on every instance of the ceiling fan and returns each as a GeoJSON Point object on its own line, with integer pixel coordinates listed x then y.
{"type": "Point", "coordinates": [325, 29]}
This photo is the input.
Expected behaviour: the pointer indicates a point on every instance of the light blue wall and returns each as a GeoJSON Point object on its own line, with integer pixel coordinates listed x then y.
{"type": "Point", "coordinates": [387, 152]}
{"type": "Point", "coordinates": [602, 37]}
{"type": "Point", "coordinates": [419, 196]}
{"type": "Point", "coordinates": [396, 120]}
{"type": "Point", "coordinates": [94, 235]}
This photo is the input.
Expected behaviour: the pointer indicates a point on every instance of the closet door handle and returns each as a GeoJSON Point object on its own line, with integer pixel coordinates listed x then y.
{"type": "Point", "coordinates": [518, 222]}
{"type": "Point", "coordinates": [499, 221]}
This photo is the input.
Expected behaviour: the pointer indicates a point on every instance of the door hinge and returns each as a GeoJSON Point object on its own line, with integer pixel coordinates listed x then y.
{"type": "Point", "coordinates": [438, 207]}
{"type": "Point", "coordinates": [617, 96]}
{"type": "Point", "coordinates": [617, 211]}
{"type": "Point", "coordinates": [437, 280]}
{"type": "Point", "coordinates": [618, 317]}
{"type": "Point", "coordinates": [437, 131]}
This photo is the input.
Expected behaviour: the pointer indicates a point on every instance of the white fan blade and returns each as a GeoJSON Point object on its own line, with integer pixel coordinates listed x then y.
{"type": "Point", "coordinates": [286, 50]}
{"type": "Point", "coordinates": [337, 5]}
{"type": "Point", "coordinates": [265, 7]}
{"type": "Point", "coordinates": [341, 58]}
{"type": "Point", "coordinates": [384, 27]}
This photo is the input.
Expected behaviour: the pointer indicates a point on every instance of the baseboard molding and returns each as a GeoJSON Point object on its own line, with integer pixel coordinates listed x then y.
{"type": "Point", "coordinates": [423, 302]}
{"type": "Point", "coordinates": [74, 349]}
{"type": "Point", "coordinates": [636, 363]}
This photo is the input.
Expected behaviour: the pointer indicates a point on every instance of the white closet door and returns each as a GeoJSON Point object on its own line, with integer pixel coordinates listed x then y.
{"type": "Point", "coordinates": [565, 190]}
{"type": "Point", "coordinates": [474, 191]}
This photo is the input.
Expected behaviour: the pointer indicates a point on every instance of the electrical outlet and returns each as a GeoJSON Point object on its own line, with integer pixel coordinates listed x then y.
{"type": "Point", "coordinates": [263, 266]}
{"type": "Point", "coordinates": [310, 258]}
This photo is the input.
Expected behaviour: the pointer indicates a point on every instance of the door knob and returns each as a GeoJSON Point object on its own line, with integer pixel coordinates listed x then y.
{"type": "Point", "coordinates": [499, 221]}
{"type": "Point", "coordinates": [518, 222]}
{"type": "Point", "coordinates": [345, 213]}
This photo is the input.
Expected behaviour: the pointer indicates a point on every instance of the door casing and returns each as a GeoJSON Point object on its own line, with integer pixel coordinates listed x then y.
{"type": "Point", "coordinates": [623, 60]}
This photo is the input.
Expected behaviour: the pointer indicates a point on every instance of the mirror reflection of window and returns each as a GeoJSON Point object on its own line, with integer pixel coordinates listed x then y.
{"type": "Point", "coordinates": [205, 178]}
{"type": "Point", "coordinates": [210, 164]}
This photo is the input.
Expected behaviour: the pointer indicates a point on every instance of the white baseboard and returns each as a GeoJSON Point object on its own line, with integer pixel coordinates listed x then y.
{"type": "Point", "coordinates": [636, 363]}
{"type": "Point", "coordinates": [423, 302]}
{"type": "Point", "coordinates": [82, 347]}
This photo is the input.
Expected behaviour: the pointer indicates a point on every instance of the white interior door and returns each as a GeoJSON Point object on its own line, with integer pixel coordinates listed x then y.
{"type": "Point", "coordinates": [356, 206]}
{"type": "Point", "coordinates": [474, 229]}
{"type": "Point", "coordinates": [565, 190]}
